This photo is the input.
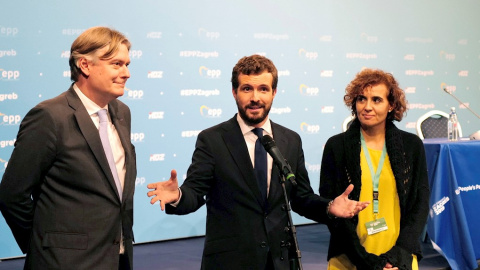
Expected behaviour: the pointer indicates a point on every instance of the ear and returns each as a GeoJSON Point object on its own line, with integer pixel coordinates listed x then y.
{"type": "Point", "coordinates": [234, 92]}
{"type": "Point", "coordinates": [84, 66]}
{"type": "Point", "coordinates": [274, 92]}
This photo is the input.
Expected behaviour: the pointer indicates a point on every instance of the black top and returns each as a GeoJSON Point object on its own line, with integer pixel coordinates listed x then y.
{"type": "Point", "coordinates": [341, 167]}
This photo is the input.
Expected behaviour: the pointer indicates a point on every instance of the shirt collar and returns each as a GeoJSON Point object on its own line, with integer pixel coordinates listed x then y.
{"type": "Point", "coordinates": [267, 126]}
{"type": "Point", "coordinates": [91, 106]}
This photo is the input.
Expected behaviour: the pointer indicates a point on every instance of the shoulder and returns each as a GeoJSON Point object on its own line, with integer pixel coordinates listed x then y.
{"type": "Point", "coordinates": [279, 130]}
{"type": "Point", "coordinates": [409, 137]}
{"type": "Point", "coordinates": [411, 142]}
{"type": "Point", "coordinates": [55, 107]}
{"type": "Point", "coordinates": [336, 139]}
{"type": "Point", "coordinates": [221, 128]}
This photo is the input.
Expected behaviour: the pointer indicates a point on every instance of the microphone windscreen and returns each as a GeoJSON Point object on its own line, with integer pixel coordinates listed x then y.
{"type": "Point", "coordinates": [267, 142]}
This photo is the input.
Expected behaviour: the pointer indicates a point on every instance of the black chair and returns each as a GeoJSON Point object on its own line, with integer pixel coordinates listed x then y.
{"type": "Point", "coordinates": [434, 124]}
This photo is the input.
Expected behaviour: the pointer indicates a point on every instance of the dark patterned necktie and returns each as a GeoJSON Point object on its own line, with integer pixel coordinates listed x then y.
{"type": "Point", "coordinates": [260, 163]}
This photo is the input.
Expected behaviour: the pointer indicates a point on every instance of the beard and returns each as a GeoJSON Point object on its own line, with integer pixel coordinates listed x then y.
{"type": "Point", "coordinates": [255, 119]}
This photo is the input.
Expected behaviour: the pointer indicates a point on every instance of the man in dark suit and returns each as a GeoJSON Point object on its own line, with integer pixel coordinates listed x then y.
{"type": "Point", "coordinates": [66, 206]}
{"type": "Point", "coordinates": [245, 229]}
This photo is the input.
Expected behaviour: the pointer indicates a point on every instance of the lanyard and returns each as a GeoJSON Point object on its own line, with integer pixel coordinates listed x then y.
{"type": "Point", "coordinates": [375, 175]}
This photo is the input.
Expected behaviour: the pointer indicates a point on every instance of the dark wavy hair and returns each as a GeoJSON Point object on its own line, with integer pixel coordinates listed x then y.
{"type": "Point", "coordinates": [371, 77]}
{"type": "Point", "coordinates": [254, 64]}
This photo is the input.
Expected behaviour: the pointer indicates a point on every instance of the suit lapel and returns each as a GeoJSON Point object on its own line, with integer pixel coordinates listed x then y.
{"type": "Point", "coordinates": [235, 142]}
{"type": "Point", "coordinates": [90, 132]}
{"type": "Point", "coordinates": [276, 192]}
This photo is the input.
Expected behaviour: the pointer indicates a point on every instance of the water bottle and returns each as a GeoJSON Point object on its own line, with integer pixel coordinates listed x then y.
{"type": "Point", "coordinates": [452, 125]}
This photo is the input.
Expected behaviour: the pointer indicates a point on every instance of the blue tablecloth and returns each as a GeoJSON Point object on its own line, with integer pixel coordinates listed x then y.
{"type": "Point", "coordinates": [454, 216]}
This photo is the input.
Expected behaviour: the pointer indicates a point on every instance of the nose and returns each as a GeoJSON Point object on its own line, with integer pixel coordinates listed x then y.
{"type": "Point", "coordinates": [368, 105]}
{"type": "Point", "coordinates": [125, 72]}
{"type": "Point", "coordinates": [255, 95]}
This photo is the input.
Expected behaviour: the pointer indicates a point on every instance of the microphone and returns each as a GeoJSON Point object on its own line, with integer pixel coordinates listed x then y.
{"type": "Point", "coordinates": [269, 145]}
{"type": "Point", "coordinates": [475, 135]}
{"type": "Point", "coordinates": [461, 103]}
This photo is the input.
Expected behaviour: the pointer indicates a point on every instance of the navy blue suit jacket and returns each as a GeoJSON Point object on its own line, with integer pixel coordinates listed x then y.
{"type": "Point", "coordinates": [241, 229]}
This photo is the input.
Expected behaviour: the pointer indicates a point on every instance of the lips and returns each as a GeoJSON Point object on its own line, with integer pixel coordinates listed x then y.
{"type": "Point", "coordinates": [366, 116]}
{"type": "Point", "coordinates": [255, 107]}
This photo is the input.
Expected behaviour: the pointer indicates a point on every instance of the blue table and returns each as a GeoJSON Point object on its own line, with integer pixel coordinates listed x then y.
{"type": "Point", "coordinates": [454, 216]}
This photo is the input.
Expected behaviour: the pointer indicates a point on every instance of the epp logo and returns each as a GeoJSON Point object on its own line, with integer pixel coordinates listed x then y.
{"type": "Point", "coordinates": [211, 113]}
{"type": "Point", "coordinates": [139, 181]}
{"type": "Point", "coordinates": [10, 119]}
{"type": "Point", "coordinates": [210, 35]}
{"type": "Point", "coordinates": [10, 75]}
{"type": "Point", "coordinates": [309, 91]}
{"type": "Point", "coordinates": [137, 137]}
{"type": "Point", "coordinates": [368, 38]}
{"type": "Point", "coordinates": [313, 167]}
{"type": "Point", "coordinates": [135, 54]}
{"type": "Point", "coordinates": [447, 56]}
{"type": "Point", "coordinates": [308, 55]}
{"type": "Point", "coordinates": [209, 73]}
{"type": "Point", "coordinates": [310, 129]}
{"type": "Point", "coordinates": [8, 31]}
{"type": "Point", "coordinates": [134, 94]}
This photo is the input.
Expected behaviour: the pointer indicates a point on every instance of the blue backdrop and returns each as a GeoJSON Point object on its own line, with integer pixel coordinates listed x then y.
{"type": "Point", "coordinates": [183, 53]}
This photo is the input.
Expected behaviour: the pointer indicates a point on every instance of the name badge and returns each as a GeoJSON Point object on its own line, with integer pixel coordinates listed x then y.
{"type": "Point", "coordinates": [376, 226]}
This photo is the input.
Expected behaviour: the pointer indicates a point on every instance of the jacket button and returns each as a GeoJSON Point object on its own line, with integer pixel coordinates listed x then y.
{"type": "Point", "coordinates": [263, 244]}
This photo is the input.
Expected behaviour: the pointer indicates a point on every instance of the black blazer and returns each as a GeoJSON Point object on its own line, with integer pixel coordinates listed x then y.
{"type": "Point", "coordinates": [241, 227]}
{"type": "Point", "coordinates": [58, 194]}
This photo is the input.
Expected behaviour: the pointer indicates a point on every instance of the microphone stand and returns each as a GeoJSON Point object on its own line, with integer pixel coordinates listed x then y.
{"type": "Point", "coordinates": [476, 134]}
{"type": "Point", "coordinates": [461, 103]}
{"type": "Point", "coordinates": [293, 252]}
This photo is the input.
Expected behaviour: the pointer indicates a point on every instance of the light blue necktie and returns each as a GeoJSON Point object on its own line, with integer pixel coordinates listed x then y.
{"type": "Point", "coordinates": [102, 114]}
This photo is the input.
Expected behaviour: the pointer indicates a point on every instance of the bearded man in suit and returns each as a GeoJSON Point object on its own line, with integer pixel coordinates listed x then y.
{"type": "Point", "coordinates": [245, 224]}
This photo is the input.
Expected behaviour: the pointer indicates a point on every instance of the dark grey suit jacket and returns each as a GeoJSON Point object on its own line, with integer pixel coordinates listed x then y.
{"type": "Point", "coordinates": [241, 227]}
{"type": "Point", "coordinates": [58, 194]}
